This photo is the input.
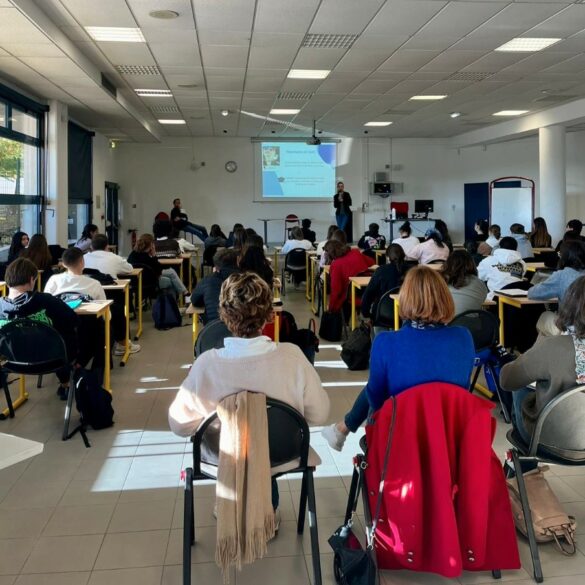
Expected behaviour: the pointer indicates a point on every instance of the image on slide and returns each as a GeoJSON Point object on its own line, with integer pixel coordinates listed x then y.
{"type": "Point", "coordinates": [298, 170]}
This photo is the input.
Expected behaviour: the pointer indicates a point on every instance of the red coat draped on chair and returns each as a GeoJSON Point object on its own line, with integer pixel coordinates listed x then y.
{"type": "Point", "coordinates": [445, 507]}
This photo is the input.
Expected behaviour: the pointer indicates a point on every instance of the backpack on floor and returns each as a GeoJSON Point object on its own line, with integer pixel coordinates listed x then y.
{"type": "Point", "coordinates": [165, 312]}
{"type": "Point", "coordinates": [307, 340]}
{"type": "Point", "coordinates": [355, 352]}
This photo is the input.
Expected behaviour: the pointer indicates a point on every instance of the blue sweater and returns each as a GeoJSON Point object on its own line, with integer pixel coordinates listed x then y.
{"type": "Point", "coordinates": [412, 356]}
{"type": "Point", "coordinates": [555, 285]}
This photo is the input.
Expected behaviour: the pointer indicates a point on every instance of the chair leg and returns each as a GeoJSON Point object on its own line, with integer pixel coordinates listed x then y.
{"type": "Point", "coordinates": [505, 411]}
{"type": "Point", "coordinates": [188, 532]}
{"type": "Point", "coordinates": [475, 378]}
{"type": "Point", "coordinates": [8, 397]}
{"type": "Point", "coordinates": [40, 381]}
{"type": "Point", "coordinates": [68, 408]}
{"type": "Point", "coordinates": [538, 577]}
{"type": "Point", "coordinates": [317, 579]}
{"type": "Point", "coordinates": [302, 505]}
{"type": "Point", "coordinates": [497, 574]}
{"type": "Point", "coordinates": [353, 493]}
{"type": "Point", "coordinates": [283, 283]}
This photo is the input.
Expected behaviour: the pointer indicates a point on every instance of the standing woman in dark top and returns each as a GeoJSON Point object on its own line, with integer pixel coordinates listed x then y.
{"type": "Point", "coordinates": [19, 243]}
{"type": "Point", "coordinates": [386, 278]}
{"type": "Point", "coordinates": [343, 213]}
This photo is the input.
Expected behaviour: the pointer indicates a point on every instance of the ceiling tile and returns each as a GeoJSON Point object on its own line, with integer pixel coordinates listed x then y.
{"type": "Point", "coordinates": [451, 61]}
{"type": "Point", "coordinates": [175, 55]}
{"type": "Point", "coordinates": [408, 61]}
{"type": "Point", "coordinates": [102, 13]}
{"type": "Point", "coordinates": [363, 59]}
{"type": "Point", "coordinates": [272, 57]}
{"type": "Point", "coordinates": [142, 8]}
{"type": "Point", "coordinates": [402, 17]}
{"type": "Point", "coordinates": [274, 16]}
{"type": "Point", "coordinates": [309, 58]}
{"type": "Point", "coordinates": [344, 16]}
{"type": "Point", "coordinates": [223, 56]}
{"type": "Point", "coordinates": [234, 15]}
{"type": "Point", "coordinates": [32, 49]}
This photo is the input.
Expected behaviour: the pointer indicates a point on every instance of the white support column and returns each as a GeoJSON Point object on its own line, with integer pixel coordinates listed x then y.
{"type": "Point", "coordinates": [551, 202]}
{"type": "Point", "coordinates": [57, 174]}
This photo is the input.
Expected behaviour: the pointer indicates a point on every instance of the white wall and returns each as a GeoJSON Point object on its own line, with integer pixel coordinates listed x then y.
{"type": "Point", "coordinates": [151, 175]}
{"type": "Point", "coordinates": [103, 169]}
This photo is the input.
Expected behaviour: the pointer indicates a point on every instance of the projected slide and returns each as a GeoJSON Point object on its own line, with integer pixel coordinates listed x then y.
{"type": "Point", "coordinates": [297, 170]}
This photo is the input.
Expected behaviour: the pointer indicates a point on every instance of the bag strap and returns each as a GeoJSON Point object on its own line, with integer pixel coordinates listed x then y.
{"type": "Point", "coordinates": [371, 533]}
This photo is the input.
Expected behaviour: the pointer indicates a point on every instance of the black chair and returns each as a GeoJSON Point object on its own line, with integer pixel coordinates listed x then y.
{"type": "Point", "coordinates": [559, 438]}
{"type": "Point", "coordinates": [150, 286]}
{"type": "Point", "coordinates": [290, 452]}
{"type": "Point", "coordinates": [32, 348]}
{"type": "Point", "coordinates": [383, 317]}
{"type": "Point", "coordinates": [207, 260]}
{"type": "Point", "coordinates": [484, 328]}
{"type": "Point", "coordinates": [295, 264]}
{"type": "Point", "coordinates": [211, 336]}
{"type": "Point", "coordinates": [437, 261]}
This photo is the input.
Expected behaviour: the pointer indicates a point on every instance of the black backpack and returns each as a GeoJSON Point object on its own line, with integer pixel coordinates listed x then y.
{"type": "Point", "coordinates": [165, 312]}
{"type": "Point", "coordinates": [305, 339]}
{"type": "Point", "coordinates": [103, 279]}
{"type": "Point", "coordinates": [355, 352]}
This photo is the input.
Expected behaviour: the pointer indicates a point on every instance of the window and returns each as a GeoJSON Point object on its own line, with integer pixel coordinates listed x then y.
{"type": "Point", "coordinates": [21, 155]}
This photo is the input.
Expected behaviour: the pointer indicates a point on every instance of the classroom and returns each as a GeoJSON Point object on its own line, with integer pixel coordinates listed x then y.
{"type": "Point", "coordinates": [292, 291]}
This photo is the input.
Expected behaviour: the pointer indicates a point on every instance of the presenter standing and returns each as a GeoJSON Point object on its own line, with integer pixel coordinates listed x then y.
{"type": "Point", "coordinates": [343, 214]}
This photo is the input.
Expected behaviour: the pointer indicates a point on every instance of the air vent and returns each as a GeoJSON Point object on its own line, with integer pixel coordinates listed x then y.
{"type": "Point", "coordinates": [555, 99]}
{"type": "Point", "coordinates": [329, 41]}
{"type": "Point", "coordinates": [295, 95]}
{"type": "Point", "coordinates": [470, 76]}
{"type": "Point", "coordinates": [137, 69]}
{"type": "Point", "coordinates": [164, 110]}
{"type": "Point", "coordinates": [275, 124]}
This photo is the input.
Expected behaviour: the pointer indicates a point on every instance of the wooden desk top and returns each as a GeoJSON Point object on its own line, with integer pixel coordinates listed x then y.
{"type": "Point", "coordinates": [360, 281]}
{"type": "Point", "coordinates": [373, 267]}
{"type": "Point", "coordinates": [120, 285]}
{"type": "Point", "coordinates": [171, 261]}
{"type": "Point", "coordinates": [534, 266]}
{"type": "Point", "coordinates": [95, 308]}
{"type": "Point", "coordinates": [542, 250]}
{"type": "Point", "coordinates": [136, 271]}
{"type": "Point", "coordinates": [486, 303]}
{"type": "Point", "coordinates": [193, 310]}
{"type": "Point", "coordinates": [523, 300]}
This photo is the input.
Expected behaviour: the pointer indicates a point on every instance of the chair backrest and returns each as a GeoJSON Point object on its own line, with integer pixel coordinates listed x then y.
{"type": "Point", "coordinates": [384, 313]}
{"type": "Point", "coordinates": [560, 429]}
{"type": "Point", "coordinates": [211, 336]}
{"type": "Point", "coordinates": [437, 261]}
{"type": "Point", "coordinates": [208, 255]}
{"type": "Point", "coordinates": [149, 277]}
{"type": "Point", "coordinates": [288, 437]}
{"type": "Point", "coordinates": [162, 216]}
{"type": "Point", "coordinates": [31, 347]}
{"type": "Point", "coordinates": [291, 217]}
{"type": "Point", "coordinates": [296, 259]}
{"type": "Point", "coordinates": [483, 326]}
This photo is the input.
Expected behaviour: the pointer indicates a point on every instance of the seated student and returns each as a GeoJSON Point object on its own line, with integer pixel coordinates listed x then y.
{"type": "Point", "coordinates": [406, 240]}
{"type": "Point", "coordinates": [330, 230]}
{"type": "Point", "coordinates": [39, 254]}
{"type": "Point", "coordinates": [180, 221]}
{"type": "Point", "coordinates": [165, 245]}
{"type": "Point", "coordinates": [345, 263]}
{"type": "Point", "coordinates": [216, 238]}
{"type": "Point", "coordinates": [540, 238]}
{"type": "Point", "coordinates": [556, 363]}
{"type": "Point", "coordinates": [472, 247]}
{"type": "Point", "coordinates": [308, 233]}
{"type": "Point", "coordinates": [239, 239]}
{"type": "Point", "coordinates": [144, 254]}
{"type": "Point", "coordinates": [519, 234]}
{"type": "Point", "coordinates": [571, 267]}
{"type": "Point", "coordinates": [252, 259]}
{"type": "Point", "coordinates": [481, 230]}
{"type": "Point", "coordinates": [337, 236]}
{"type": "Point", "coordinates": [297, 240]}
{"type": "Point", "coordinates": [230, 238]}
{"type": "Point", "coordinates": [206, 293]}
{"type": "Point", "coordinates": [493, 241]}
{"type": "Point", "coordinates": [24, 302]}
{"type": "Point", "coordinates": [503, 267]}
{"type": "Point", "coordinates": [442, 228]}
{"type": "Point", "coordinates": [372, 239]}
{"type": "Point", "coordinates": [460, 274]}
{"type": "Point", "coordinates": [423, 350]}
{"type": "Point", "coordinates": [433, 248]}
{"type": "Point", "coordinates": [249, 361]}
{"type": "Point", "coordinates": [74, 281]}
{"type": "Point", "coordinates": [572, 232]}
{"type": "Point", "coordinates": [84, 242]}
{"type": "Point", "coordinates": [100, 258]}
{"type": "Point", "coordinates": [386, 278]}
{"type": "Point", "coordinates": [19, 243]}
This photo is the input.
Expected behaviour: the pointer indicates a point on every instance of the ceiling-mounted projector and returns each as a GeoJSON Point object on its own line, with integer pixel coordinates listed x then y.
{"type": "Point", "coordinates": [314, 141]}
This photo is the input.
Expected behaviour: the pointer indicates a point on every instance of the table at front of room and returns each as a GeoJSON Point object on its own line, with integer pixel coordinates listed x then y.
{"type": "Point", "coordinates": [518, 303]}
{"type": "Point", "coordinates": [175, 262]}
{"type": "Point", "coordinates": [266, 220]}
{"type": "Point", "coordinates": [123, 286]}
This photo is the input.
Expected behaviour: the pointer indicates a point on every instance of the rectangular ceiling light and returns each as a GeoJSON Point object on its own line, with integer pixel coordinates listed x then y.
{"type": "Point", "coordinates": [308, 73]}
{"type": "Point", "coordinates": [117, 34]}
{"type": "Point", "coordinates": [284, 112]}
{"type": "Point", "coordinates": [377, 124]}
{"type": "Point", "coordinates": [527, 44]}
{"type": "Point", "coordinates": [428, 98]}
{"type": "Point", "coordinates": [153, 92]}
{"type": "Point", "coordinates": [511, 112]}
{"type": "Point", "coordinates": [171, 122]}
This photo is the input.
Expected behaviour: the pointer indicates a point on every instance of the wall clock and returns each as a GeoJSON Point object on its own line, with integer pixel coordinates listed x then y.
{"type": "Point", "coordinates": [231, 166]}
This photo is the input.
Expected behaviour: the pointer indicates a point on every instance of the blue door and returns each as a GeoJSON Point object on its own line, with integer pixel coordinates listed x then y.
{"type": "Point", "coordinates": [477, 206]}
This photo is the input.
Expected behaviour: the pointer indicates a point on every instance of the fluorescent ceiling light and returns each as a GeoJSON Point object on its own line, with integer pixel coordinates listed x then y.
{"type": "Point", "coordinates": [377, 123]}
{"type": "Point", "coordinates": [308, 73]}
{"type": "Point", "coordinates": [455, 114]}
{"type": "Point", "coordinates": [115, 34]}
{"type": "Point", "coordinates": [511, 112]}
{"type": "Point", "coordinates": [153, 92]}
{"type": "Point", "coordinates": [284, 112]}
{"type": "Point", "coordinates": [171, 121]}
{"type": "Point", "coordinates": [429, 98]}
{"type": "Point", "coordinates": [527, 44]}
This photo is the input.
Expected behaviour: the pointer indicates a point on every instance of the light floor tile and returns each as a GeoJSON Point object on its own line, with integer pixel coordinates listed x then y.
{"type": "Point", "coordinates": [23, 522]}
{"type": "Point", "coordinates": [139, 576]}
{"type": "Point", "coordinates": [133, 549]}
{"type": "Point", "coordinates": [13, 554]}
{"type": "Point", "coordinates": [69, 520]}
{"type": "Point", "coordinates": [140, 516]}
{"type": "Point", "coordinates": [75, 578]}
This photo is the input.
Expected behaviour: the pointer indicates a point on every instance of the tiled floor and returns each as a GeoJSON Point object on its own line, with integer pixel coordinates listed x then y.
{"type": "Point", "coordinates": [112, 514]}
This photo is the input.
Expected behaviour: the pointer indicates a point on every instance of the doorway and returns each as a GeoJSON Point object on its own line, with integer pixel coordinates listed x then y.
{"type": "Point", "coordinates": [477, 206]}
{"type": "Point", "coordinates": [112, 213]}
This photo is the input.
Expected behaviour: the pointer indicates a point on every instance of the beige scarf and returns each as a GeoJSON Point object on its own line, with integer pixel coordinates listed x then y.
{"type": "Point", "coordinates": [245, 518]}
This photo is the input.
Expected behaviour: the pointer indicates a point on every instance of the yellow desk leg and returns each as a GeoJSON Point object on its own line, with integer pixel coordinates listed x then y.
{"type": "Point", "coordinates": [22, 398]}
{"type": "Point", "coordinates": [483, 390]}
{"type": "Point", "coordinates": [195, 328]}
{"type": "Point", "coordinates": [307, 279]}
{"type": "Point", "coordinates": [396, 316]}
{"type": "Point", "coordinates": [325, 303]}
{"type": "Point", "coordinates": [126, 355]}
{"type": "Point", "coordinates": [353, 315]}
{"type": "Point", "coordinates": [313, 287]}
{"type": "Point", "coordinates": [190, 275]}
{"type": "Point", "coordinates": [501, 317]}
{"type": "Point", "coordinates": [275, 261]}
{"type": "Point", "coordinates": [107, 350]}
{"type": "Point", "coordinates": [181, 297]}
{"type": "Point", "coordinates": [139, 332]}
{"type": "Point", "coordinates": [276, 327]}
{"type": "Point", "coordinates": [39, 283]}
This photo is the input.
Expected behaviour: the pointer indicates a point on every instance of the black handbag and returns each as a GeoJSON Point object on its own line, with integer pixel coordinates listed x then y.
{"type": "Point", "coordinates": [331, 327]}
{"type": "Point", "coordinates": [355, 352]}
{"type": "Point", "coordinates": [352, 564]}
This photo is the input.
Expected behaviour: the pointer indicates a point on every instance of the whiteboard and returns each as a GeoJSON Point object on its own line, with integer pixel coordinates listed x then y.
{"type": "Point", "coordinates": [513, 205]}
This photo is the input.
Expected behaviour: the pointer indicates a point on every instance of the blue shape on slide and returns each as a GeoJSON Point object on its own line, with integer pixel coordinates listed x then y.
{"type": "Point", "coordinates": [271, 184]}
{"type": "Point", "coordinates": [327, 153]}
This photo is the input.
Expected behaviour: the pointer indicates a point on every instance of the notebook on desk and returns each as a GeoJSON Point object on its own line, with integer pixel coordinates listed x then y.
{"type": "Point", "coordinates": [512, 292]}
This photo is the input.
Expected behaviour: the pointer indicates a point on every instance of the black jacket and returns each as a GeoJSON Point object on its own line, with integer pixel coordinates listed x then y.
{"type": "Point", "coordinates": [384, 279]}
{"type": "Point", "coordinates": [145, 259]}
{"type": "Point", "coordinates": [365, 242]}
{"type": "Point", "coordinates": [309, 234]}
{"type": "Point", "coordinates": [346, 203]}
{"type": "Point", "coordinates": [206, 293]}
{"type": "Point", "coordinates": [45, 308]}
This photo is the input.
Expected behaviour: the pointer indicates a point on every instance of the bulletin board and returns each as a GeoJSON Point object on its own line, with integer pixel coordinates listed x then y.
{"type": "Point", "coordinates": [512, 201]}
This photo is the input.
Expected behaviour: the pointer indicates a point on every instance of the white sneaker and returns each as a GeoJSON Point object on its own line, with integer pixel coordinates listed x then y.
{"type": "Point", "coordinates": [120, 349]}
{"type": "Point", "coordinates": [334, 437]}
